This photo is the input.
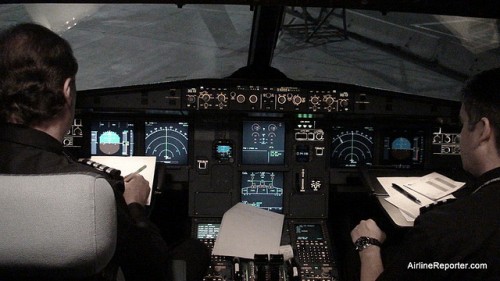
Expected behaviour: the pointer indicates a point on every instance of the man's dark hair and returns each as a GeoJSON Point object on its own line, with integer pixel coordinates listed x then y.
{"type": "Point", "coordinates": [34, 64]}
{"type": "Point", "coordinates": [481, 98]}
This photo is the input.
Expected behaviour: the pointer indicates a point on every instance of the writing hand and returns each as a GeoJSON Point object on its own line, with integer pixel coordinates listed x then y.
{"type": "Point", "coordinates": [136, 189]}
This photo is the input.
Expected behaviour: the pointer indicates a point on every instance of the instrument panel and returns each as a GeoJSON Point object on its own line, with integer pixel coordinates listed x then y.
{"type": "Point", "coordinates": [283, 146]}
{"type": "Point", "coordinates": [212, 134]}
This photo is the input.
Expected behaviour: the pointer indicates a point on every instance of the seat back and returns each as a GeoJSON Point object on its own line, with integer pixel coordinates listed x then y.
{"type": "Point", "coordinates": [57, 227]}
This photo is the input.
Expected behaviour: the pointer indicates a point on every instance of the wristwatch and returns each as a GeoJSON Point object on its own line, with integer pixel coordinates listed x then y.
{"type": "Point", "coordinates": [364, 242]}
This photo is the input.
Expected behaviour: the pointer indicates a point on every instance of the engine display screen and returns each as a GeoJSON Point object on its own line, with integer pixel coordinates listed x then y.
{"type": "Point", "coordinates": [263, 190]}
{"type": "Point", "coordinates": [112, 138]}
{"type": "Point", "coordinates": [403, 148]}
{"type": "Point", "coordinates": [263, 142]}
{"type": "Point", "coordinates": [168, 141]}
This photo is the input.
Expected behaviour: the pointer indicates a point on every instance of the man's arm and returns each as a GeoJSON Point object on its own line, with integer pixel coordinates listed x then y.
{"type": "Point", "coordinates": [142, 252]}
{"type": "Point", "coordinates": [371, 260]}
{"type": "Point", "coordinates": [371, 263]}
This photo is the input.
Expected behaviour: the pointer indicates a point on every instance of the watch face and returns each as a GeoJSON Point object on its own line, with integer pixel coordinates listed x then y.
{"type": "Point", "coordinates": [361, 243]}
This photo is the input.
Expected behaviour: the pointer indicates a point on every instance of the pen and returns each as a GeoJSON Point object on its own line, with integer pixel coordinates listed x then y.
{"type": "Point", "coordinates": [405, 193]}
{"type": "Point", "coordinates": [138, 171]}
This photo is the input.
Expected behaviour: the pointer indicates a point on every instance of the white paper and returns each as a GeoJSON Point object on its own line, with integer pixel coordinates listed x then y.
{"type": "Point", "coordinates": [130, 164]}
{"type": "Point", "coordinates": [246, 230]}
{"type": "Point", "coordinates": [286, 251]}
{"type": "Point", "coordinates": [434, 186]}
{"type": "Point", "coordinates": [409, 209]}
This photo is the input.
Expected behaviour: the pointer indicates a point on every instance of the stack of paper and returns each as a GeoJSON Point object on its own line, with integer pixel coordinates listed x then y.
{"type": "Point", "coordinates": [434, 186]}
{"type": "Point", "coordinates": [427, 189]}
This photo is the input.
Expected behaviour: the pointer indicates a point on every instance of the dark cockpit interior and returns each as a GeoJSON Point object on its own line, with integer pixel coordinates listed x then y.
{"type": "Point", "coordinates": [294, 107]}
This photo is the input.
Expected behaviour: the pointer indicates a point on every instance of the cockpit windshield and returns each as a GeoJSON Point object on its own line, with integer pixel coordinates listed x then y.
{"type": "Point", "coordinates": [133, 44]}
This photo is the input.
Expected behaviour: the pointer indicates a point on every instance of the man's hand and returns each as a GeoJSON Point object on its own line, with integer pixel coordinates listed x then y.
{"type": "Point", "coordinates": [371, 260]}
{"type": "Point", "coordinates": [136, 189]}
{"type": "Point", "coordinates": [368, 228]}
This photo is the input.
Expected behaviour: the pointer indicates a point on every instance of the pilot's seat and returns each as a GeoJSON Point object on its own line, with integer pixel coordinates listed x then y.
{"type": "Point", "coordinates": [55, 227]}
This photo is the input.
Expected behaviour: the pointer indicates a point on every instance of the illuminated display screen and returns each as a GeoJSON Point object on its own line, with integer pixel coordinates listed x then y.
{"type": "Point", "coordinates": [403, 148]}
{"type": "Point", "coordinates": [207, 230]}
{"type": "Point", "coordinates": [352, 147]}
{"type": "Point", "coordinates": [112, 138]}
{"type": "Point", "coordinates": [263, 142]}
{"type": "Point", "coordinates": [223, 150]}
{"type": "Point", "coordinates": [168, 141]}
{"type": "Point", "coordinates": [263, 190]}
{"type": "Point", "coordinates": [309, 232]}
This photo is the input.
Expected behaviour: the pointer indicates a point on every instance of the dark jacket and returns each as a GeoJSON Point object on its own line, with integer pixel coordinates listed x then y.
{"type": "Point", "coordinates": [141, 251]}
{"type": "Point", "coordinates": [455, 241]}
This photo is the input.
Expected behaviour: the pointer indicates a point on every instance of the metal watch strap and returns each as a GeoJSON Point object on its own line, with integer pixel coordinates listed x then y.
{"type": "Point", "coordinates": [364, 242]}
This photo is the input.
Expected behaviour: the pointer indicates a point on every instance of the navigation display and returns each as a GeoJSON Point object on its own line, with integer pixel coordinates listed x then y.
{"type": "Point", "coordinates": [112, 138]}
{"type": "Point", "coordinates": [263, 142]}
{"type": "Point", "coordinates": [403, 148]}
{"type": "Point", "coordinates": [352, 147]}
{"type": "Point", "coordinates": [263, 190]}
{"type": "Point", "coordinates": [168, 141]}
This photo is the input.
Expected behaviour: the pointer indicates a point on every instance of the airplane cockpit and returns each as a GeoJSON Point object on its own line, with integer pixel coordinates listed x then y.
{"type": "Point", "coordinates": [293, 107]}
{"type": "Point", "coordinates": [296, 148]}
